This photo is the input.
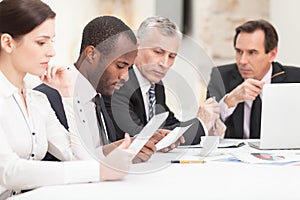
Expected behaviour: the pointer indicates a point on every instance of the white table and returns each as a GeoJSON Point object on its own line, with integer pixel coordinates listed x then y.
{"type": "Point", "coordinates": [158, 179]}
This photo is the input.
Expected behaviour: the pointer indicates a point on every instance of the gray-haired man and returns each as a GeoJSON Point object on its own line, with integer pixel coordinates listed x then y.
{"type": "Point", "coordinates": [131, 106]}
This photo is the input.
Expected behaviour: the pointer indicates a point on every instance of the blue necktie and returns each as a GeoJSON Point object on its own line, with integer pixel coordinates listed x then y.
{"type": "Point", "coordinates": [152, 101]}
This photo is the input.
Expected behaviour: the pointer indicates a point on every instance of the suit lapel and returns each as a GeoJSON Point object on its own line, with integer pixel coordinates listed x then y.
{"type": "Point", "coordinates": [238, 117]}
{"type": "Point", "coordinates": [238, 120]}
{"type": "Point", "coordinates": [160, 98]}
{"type": "Point", "coordinates": [137, 97]}
{"type": "Point", "coordinates": [236, 79]}
{"type": "Point", "coordinates": [278, 70]}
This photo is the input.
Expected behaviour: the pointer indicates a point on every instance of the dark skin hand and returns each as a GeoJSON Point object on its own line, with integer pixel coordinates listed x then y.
{"type": "Point", "coordinates": [143, 156]}
{"type": "Point", "coordinates": [160, 134]}
{"type": "Point", "coordinates": [145, 153]}
{"type": "Point", "coordinates": [149, 149]}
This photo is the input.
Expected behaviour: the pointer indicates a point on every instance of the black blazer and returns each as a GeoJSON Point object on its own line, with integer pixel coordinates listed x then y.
{"type": "Point", "coordinates": [126, 108]}
{"type": "Point", "coordinates": [55, 101]}
{"type": "Point", "coordinates": [57, 105]}
{"type": "Point", "coordinates": [225, 78]}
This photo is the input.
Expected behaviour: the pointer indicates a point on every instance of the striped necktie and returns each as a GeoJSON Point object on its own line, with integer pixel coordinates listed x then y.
{"type": "Point", "coordinates": [152, 101]}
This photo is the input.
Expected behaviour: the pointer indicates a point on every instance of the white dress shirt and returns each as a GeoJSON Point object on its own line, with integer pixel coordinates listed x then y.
{"type": "Point", "coordinates": [26, 133]}
{"type": "Point", "coordinates": [226, 112]}
{"type": "Point", "coordinates": [85, 111]}
{"type": "Point", "coordinates": [144, 87]}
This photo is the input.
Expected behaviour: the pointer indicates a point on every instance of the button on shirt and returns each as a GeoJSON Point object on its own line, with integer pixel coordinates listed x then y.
{"type": "Point", "coordinates": [27, 133]}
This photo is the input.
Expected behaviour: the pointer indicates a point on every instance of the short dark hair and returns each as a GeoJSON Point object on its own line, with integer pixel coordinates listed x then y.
{"type": "Point", "coordinates": [271, 36]}
{"type": "Point", "coordinates": [102, 33]}
{"type": "Point", "coordinates": [19, 17]}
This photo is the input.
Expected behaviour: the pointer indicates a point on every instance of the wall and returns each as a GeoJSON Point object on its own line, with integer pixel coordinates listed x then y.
{"type": "Point", "coordinates": [284, 15]}
{"type": "Point", "coordinates": [72, 15]}
{"type": "Point", "coordinates": [214, 22]}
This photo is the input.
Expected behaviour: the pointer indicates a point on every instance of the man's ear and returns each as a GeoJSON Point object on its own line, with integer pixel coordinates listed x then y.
{"type": "Point", "coordinates": [7, 42]}
{"type": "Point", "coordinates": [273, 54]}
{"type": "Point", "coordinates": [90, 53]}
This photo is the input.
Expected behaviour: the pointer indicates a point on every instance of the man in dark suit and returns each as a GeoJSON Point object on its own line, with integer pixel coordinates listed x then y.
{"type": "Point", "coordinates": [108, 48]}
{"type": "Point", "coordinates": [238, 86]}
{"type": "Point", "coordinates": [132, 105]}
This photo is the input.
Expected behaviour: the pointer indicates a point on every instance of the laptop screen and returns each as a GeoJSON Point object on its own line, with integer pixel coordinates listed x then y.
{"type": "Point", "coordinates": [280, 125]}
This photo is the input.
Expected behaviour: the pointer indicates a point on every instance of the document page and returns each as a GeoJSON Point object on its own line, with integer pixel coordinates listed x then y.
{"type": "Point", "coordinates": [265, 157]}
{"type": "Point", "coordinates": [172, 137]}
{"type": "Point", "coordinates": [148, 131]}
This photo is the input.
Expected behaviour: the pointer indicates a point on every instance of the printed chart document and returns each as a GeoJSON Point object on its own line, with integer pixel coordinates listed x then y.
{"type": "Point", "coordinates": [262, 157]}
{"type": "Point", "coordinates": [172, 137]}
{"type": "Point", "coordinates": [148, 131]}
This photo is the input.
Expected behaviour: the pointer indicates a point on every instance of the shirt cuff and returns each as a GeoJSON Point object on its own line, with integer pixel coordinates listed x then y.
{"type": "Point", "coordinates": [203, 126]}
{"type": "Point", "coordinates": [225, 111]}
{"type": "Point", "coordinates": [81, 171]}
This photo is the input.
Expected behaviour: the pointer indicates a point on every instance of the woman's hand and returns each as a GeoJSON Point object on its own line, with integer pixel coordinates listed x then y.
{"type": "Point", "coordinates": [59, 78]}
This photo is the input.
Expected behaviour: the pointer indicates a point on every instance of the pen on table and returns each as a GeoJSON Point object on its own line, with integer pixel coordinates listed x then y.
{"type": "Point", "coordinates": [187, 161]}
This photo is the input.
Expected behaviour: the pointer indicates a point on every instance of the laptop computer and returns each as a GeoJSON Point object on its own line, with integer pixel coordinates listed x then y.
{"type": "Point", "coordinates": [280, 121]}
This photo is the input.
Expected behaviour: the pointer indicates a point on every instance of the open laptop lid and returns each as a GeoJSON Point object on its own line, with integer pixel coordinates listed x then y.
{"type": "Point", "coordinates": [280, 125]}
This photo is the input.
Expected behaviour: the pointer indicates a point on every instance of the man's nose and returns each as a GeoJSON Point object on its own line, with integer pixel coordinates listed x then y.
{"type": "Point", "coordinates": [164, 61]}
{"type": "Point", "coordinates": [124, 76]}
{"type": "Point", "coordinates": [243, 59]}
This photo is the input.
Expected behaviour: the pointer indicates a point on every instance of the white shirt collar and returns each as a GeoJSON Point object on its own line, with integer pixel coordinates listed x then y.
{"type": "Point", "coordinates": [7, 88]}
{"type": "Point", "coordinates": [143, 82]}
{"type": "Point", "coordinates": [82, 87]}
{"type": "Point", "coordinates": [268, 76]}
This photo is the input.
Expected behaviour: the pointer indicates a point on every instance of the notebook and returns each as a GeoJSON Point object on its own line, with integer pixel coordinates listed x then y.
{"type": "Point", "coordinates": [280, 125]}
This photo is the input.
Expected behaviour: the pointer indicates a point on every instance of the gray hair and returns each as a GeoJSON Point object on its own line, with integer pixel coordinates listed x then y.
{"type": "Point", "coordinates": [164, 26]}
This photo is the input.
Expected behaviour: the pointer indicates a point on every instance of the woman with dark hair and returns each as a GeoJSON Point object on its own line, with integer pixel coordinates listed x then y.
{"type": "Point", "coordinates": [28, 125]}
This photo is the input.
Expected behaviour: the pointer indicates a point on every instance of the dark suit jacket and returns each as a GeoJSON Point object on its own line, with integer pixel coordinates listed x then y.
{"type": "Point", "coordinates": [225, 78]}
{"type": "Point", "coordinates": [126, 108]}
{"type": "Point", "coordinates": [57, 105]}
